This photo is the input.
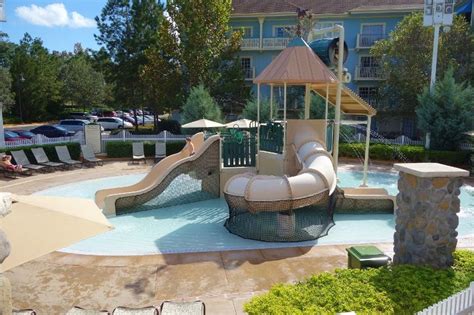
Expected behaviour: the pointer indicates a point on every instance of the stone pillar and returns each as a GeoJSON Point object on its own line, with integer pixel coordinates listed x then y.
{"type": "Point", "coordinates": [426, 216]}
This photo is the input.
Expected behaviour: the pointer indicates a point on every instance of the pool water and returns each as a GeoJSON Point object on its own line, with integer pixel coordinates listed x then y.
{"type": "Point", "coordinates": [199, 226]}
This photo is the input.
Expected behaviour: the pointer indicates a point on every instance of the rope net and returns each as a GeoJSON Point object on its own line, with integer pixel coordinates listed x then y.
{"type": "Point", "coordinates": [303, 224]}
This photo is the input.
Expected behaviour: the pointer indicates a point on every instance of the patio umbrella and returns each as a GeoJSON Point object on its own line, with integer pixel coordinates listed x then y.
{"type": "Point", "coordinates": [203, 124]}
{"type": "Point", "coordinates": [241, 123]}
{"type": "Point", "coordinates": [38, 225]}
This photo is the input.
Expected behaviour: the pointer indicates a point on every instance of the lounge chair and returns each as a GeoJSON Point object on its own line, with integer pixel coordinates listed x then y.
{"type": "Point", "coordinates": [21, 159]}
{"type": "Point", "coordinates": [188, 308]}
{"type": "Point", "coordinates": [138, 152]}
{"type": "Point", "coordinates": [42, 159]}
{"type": "Point", "coordinates": [89, 156]}
{"type": "Point", "coordinates": [151, 310]}
{"type": "Point", "coordinates": [160, 151]}
{"type": "Point", "coordinates": [76, 310]}
{"type": "Point", "coordinates": [24, 312]}
{"type": "Point", "coordinates": [65, 157]}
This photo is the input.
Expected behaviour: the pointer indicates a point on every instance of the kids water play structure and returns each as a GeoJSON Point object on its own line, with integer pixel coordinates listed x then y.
{"type": "Point", "coordinates": [279, 178]}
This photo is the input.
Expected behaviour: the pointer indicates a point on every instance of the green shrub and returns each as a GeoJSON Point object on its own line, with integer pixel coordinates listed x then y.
{"type": "Point", "coordinates": [73, 147]}
{"type": "Point", "coordinates": [123, 149]}
{"type": "Point", "coordinates": [387, 152]}
{"type": "Point", "coordinates": [400, 289]}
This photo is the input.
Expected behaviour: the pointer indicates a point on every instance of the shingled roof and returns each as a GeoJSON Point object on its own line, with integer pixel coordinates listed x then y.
{"type": "Point", "coordinates": [320, 6]}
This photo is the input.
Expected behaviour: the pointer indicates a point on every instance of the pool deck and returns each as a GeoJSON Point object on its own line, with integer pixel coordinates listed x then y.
{"type": "Point", "coordinates": [223, 280]}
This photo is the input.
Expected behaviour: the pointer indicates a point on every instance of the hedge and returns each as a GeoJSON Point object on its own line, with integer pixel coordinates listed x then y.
{"type": "Point", "coordinates": [73, 147]}
{"type": "Point", "coordinates": [402, 289]}
{"type": "Point", "coordinates": [123, 149]}
{"type": "Point", "coordinates": [387, 152]}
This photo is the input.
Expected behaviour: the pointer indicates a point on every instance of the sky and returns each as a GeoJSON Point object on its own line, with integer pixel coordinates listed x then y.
{"type": "Point", "coordinates": [59, 23]}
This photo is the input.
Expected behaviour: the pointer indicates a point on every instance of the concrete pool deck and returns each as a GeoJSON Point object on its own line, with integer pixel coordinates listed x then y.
{"type": "Point", "coordinates": [223, 280]}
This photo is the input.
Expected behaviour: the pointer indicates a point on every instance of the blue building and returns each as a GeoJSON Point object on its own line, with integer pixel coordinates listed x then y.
{"type": "Point", "coordinates": [265, 25]}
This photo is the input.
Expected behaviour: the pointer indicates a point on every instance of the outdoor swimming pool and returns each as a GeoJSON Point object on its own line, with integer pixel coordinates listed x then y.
{"type": "Point", "coordinates": [199, 226]}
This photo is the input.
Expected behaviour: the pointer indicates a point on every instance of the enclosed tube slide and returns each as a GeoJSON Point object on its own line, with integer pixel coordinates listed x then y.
{"type": "Point", "coordinates": [106, 198]}
{"type": "Point", "coordinates": [315, 180]}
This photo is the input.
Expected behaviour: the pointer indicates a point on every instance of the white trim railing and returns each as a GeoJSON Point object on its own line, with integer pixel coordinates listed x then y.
{"type": "Point", "coordinates": [401, 140]}
{"type": "Point", "coordinates": [461, 303]}
{"type": "Point", "coordinates": [41, 139]}
{"type": "Point", "coordinates": [250, 44]}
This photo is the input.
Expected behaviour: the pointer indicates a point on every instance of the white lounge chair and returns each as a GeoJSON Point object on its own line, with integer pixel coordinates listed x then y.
{"type": "Point", "coordinates": [151, 310]}
{"type": "Point", "coordinates": [65, 157]}
{"type": "Point", "coordinates": [138, 152]}
{"type": "Point", "coordinates": [89, 156]}
{"type": "Point", "coordinates": [160, 151]}
{"type": "Point", "coordinates": [187, 308]}
{"type": "Point", "coordinates": [42, 159]}
{"type": "Point", "coordinates": [21, 159]}
{"type": "Point", "coordinates": [81, 311]}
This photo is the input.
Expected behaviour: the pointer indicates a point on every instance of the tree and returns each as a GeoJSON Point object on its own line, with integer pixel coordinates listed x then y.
{"type": "Point", "coordinates": [162, 73]}
{"type": "Point", "coordinates": [199, 105]}
{"type": "Point", "coordinates": [447, 113]}
{"type": "Point", "coordinates": [127, 28]}
{"type": "Point", "coordinates": [202, 29]}
{"type": "Point", "coordinates": [318, 108]}
{"type": "Point", "coordinates": [6, 95]}
{"type": "Point", "coordinates": [406, 59]}
{"type": "Point", "coordinates": [36, 83]}
{"type": "Point", "coordinates": [250, 111]}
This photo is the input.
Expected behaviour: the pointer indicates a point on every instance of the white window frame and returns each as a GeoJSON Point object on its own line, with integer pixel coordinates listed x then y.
{"type": "Point", "coordinates": [384, 25]}
{"type": "Point", "coordinates": [246, 57]}
{"type": "Point", "coordinates": [363, 56]}
{"type": "Point", "coordinates": [274, 30]}
{"type": "Point", "coordinates": [365, 87]}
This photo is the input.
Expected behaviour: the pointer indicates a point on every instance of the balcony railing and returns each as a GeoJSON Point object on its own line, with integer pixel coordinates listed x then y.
{"type": "Point", "coordinates": [368, 73]}
{"type": "Point", "coordinates": [276, 43]}
{"type": "Point", "coordinates": [250, 44]}
{"type": "Point", "coordinates": [249, 73]}
{"type": "Point", "coordinates": [368, 40]}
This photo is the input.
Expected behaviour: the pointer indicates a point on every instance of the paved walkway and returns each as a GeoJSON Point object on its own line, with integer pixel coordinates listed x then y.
{"type": "Point", "coordinates": [223, 280]}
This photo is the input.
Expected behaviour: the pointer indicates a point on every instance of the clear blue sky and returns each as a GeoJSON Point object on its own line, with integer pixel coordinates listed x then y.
{"type": "Point", "coordinates": [59, 23]}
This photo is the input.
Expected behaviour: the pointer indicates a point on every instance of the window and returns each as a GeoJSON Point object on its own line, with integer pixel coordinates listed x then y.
{"type": "Point", "coordinates": [281, 31]}
{"type": "Point", "coordinates": [372, 29]}
{"type": "Point", "coordinates": [247, 31]}
{"type": "Point", "coordinates": [323, 25]}
{"type": "Point", "coordinates": [369, 94]}
{"type": "Point", "coordinates": [368, 62]}
{"type": "Point", "coordinates": [246, 63]}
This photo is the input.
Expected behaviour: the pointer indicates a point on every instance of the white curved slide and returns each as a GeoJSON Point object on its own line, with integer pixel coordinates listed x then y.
{"type": "Point", "coordinates": [106, 198]}
{"type": "Point", "coordinates": [282, 193]}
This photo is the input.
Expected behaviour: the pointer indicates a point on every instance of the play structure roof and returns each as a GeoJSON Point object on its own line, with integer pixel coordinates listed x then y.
{"type": "Point", "coordinates": [38, 225]}
{"type": "Point", "coordinates": [351, 103]}
{"type": "Point", "coordinates": [203, 123]}
{"type": "Point", "coordinates": [296, 64]}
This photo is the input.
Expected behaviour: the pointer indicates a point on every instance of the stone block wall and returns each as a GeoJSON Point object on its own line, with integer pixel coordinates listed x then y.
{"type": "Point", "coordinates": [426, 220]}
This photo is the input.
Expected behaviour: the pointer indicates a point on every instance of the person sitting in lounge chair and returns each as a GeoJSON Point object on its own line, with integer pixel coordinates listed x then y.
{"type": "Point", "coordinates": [6, 163]}
{"type": "Point", "coordinates": [190, 146]}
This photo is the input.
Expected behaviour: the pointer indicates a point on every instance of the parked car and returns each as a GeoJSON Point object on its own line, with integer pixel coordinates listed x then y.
{"type": "Point", "coordinates": [52, 131]}
{"type": "Point", "coordinates": [109, 113]}
{"type": "Point", "coordinates": [128, 118]}
{"type": "Point", "coordinates": [24, 133]}
{"type": "Point", "coordinates": [11, 136]}
{"type": "Point", "coordinates": [83, 116]}
{"type": "Point", "coordinates": [110, 123]}
{"type": "Point", "coordinates": [73, 125]}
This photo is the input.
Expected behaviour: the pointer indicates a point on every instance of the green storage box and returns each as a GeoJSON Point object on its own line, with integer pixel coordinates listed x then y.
{"type": "Point", "coordinates": [361, 257]}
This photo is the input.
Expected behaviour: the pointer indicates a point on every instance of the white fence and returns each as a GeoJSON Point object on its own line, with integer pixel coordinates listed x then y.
{"type": "Point", "coordinates": [124, 135]}
{"type": "Point", "coordinates": [40, 139]}
{"type": "Point", "coordinates": [401, 140]}
{"type": "Point", "coordinates": [461, 303]}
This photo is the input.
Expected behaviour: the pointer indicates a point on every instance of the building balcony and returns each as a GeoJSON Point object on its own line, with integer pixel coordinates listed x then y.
{"type": "Point", "coordinates": [366, 41]}
{"type": "Point", "coordinates": [276, 43]}
{"type": "Point", "coordinates": [249, 73]}
{"type": "Point", "coordinates": [368, 73]}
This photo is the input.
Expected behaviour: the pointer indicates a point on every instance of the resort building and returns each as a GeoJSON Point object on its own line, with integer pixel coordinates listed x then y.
{"type": "Point", "coordinates": [265, 25]}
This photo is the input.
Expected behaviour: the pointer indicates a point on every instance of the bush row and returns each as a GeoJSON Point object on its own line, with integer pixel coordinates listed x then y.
{"type": "Point", "coordinates": [123, 149]}
{"type": "Point", "coordinates": [400, 289]}
{"type": "Point", "coordinates": [73, 147]}
{"type": "Point", "coordinates": [411, 153]}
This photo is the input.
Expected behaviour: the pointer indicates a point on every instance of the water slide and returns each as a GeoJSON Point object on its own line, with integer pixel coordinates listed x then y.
{"type": "Point", "coordinates": [157, 179]}
{"type": "Point", "coordinates": [315, 180]}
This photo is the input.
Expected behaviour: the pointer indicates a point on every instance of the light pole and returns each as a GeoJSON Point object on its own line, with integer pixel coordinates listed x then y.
{"type": "Point", "coordinates": [437, 13]}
